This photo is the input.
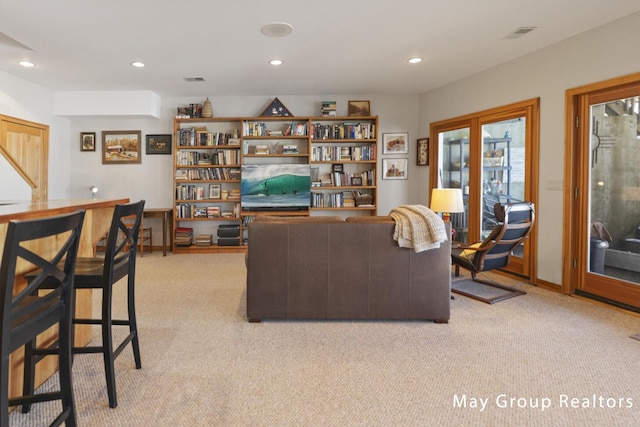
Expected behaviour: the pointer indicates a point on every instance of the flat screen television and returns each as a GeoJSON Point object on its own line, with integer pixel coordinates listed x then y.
{"type": "Point", "coordinates": [275, 187]}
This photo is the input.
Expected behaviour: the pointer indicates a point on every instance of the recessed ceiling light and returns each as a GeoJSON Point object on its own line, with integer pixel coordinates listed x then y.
{"type": "Point", "coordinates": [276, 29]}
{"type": "Point", "coordinates": [275, 62]}
{"type": "Point", "coordinates": [414, 60]}
{"type": "Point", "coordinates": [27, 64]}
{"type": "Point", "coordinates": [138, 64]}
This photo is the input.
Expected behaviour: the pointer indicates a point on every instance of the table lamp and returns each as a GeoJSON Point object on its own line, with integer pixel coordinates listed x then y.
{"type": "Point", "coordinates": [447, 201]}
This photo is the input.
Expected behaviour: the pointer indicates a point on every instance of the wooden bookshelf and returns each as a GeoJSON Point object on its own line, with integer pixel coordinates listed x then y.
{"type": "Point", "coordinates": [319, 141]}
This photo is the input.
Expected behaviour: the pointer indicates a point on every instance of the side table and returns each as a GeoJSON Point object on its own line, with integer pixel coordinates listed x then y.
{"type": "Point", "coordinates": [167, 223]}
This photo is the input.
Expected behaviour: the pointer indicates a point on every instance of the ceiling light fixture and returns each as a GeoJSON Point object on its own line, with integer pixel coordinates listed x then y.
{"type": "Point", "coordinates": [275, 62]}
{"type": "Point", "coordinates": [414, 60]}
{"type": "Point", "coordinates": [276, 29]}
{"type": "Point", "coordinates": [137, 64]}
{"type": "Point", "coordinates": [27, 64]}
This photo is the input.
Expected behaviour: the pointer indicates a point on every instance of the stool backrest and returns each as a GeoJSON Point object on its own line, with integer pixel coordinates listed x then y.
{"type": "Point", "coordinates": [122, 241]}
{"type": "Point", "coordinates": [20, 309]}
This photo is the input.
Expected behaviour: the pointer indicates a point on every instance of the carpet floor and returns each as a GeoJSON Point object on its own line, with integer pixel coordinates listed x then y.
{"type": "Point", "coordinates": [542, 359]}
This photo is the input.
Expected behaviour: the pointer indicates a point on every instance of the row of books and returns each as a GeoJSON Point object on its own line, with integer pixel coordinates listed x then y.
{"type": "Point", "coordinates": [191, 192]}
{"type": "Point", "coordinates": [208, 174]}
{"type": "Point", "coordinates": [345, 199]}
{"type": "Point", "coordinates": [340, 179]}
{"type": "Point", "coordinates": [333, 153]}
{"type": "Point", "coordinates": [189, 210]}
{"type": "Point", "coordinates": [345, 130]}
{"type": "Point", "coordinates": [261, 129]}
{"type": "Point", "coordinates": [331, 200]}
{"type": "Point", "coordinates": [216, 157]}
{"type": "Point", "coordinates": [199, 136]}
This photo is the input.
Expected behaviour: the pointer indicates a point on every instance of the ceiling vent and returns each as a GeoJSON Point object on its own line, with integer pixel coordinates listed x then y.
{"type": "Point", "coordinates": [194, 79]}
{"type": "Point", "coordinates": [520, 31]}
{"type": "Point", "coordinates": [277, 29]}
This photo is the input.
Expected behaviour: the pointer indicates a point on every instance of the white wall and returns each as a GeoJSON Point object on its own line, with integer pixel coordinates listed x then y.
{"type": "Point", "coordinates": [152, 179]}
{"type": "Point", "coordinates": [600, 54]}
{"type": "Point", "coordinates": [24, 100]}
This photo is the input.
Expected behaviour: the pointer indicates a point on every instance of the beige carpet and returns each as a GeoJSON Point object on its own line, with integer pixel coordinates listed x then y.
{"type": "Point", "coordinates": [204, 365]}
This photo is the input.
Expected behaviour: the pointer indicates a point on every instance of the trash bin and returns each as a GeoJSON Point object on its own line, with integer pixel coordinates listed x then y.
{"type": "Point", "coordinates": [596, 255]}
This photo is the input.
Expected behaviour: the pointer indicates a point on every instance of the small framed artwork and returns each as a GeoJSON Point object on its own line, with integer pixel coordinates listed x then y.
{"type": "Point", "coordinates": [395, 143]}
{"type": "Point", "coordinates": [395, 168]}
{"type": "Point", "coordinates": [337, 167]}
{"type": "Point", "coordinates": [121, 146]}
{"type": "Point", "coordinates": [359, 108]}
{"type": "Point", "coordinates": [356, 181]}
{"type": "Point", "coordinates": [423, 152]}
{"type": "Point", "coordinates": [159, 144]}
{"type": "Point", "coordinates": [214, 191]}
{"type": "Point", "coordinates": [87, 141]}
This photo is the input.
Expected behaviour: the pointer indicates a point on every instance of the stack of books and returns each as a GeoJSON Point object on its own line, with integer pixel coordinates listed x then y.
{"type": "Point", "coordinates": [204, 240]}
{"type": "Point", "coordinates": [184, 236]}
{"type": "Point", "coordinates": [290, 149]}
{"type": "Point", "coordinates": [328, 108]}
{"type": "Point", "coordinates": [262, 149]}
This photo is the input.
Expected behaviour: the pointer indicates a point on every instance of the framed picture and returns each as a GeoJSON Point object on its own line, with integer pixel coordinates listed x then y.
{"type": "Point", "coordinates": [395, 168]}
{"type": "Point", "coordinates": [87, 141]}
{"type": "Point", "coordinates": [423, 152]}
{"type": "Point", "coordinates": [214, 191]}
{"type": "Point", "coordinates": [395, 143]}
{"type": "Point", "coordinates": [337, 167]}
{"type": "Point", "coordinates": [356, 181]}
{"type": "Point", "coordinates": [359, 108]}
{"type": "Point", "coordinates": [159, 144]}
{"type": "Point", "coordinates": [121, 146]}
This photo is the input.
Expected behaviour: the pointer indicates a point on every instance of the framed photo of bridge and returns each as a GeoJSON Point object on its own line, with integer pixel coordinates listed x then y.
{"type": "Point", "coordinates": [159, 144]}
{"type": "Point", "coordinates": [121, 146]}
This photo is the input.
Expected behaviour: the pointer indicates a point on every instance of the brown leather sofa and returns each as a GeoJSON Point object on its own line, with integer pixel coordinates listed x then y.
{"type": "Point", "coordinates": [329, 268]}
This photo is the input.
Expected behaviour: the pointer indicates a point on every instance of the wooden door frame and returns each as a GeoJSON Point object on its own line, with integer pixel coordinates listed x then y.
{"type": "Point", "coordinates": [531, 109]}
{"type": "Point", "coordinates": [574, 246]}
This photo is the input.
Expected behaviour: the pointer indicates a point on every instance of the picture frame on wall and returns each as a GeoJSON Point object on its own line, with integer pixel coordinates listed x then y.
{"type": "Point", "coordinates": [87, 141]}
{"type": "Point", "coordinates": [395, 168]}
{"type": "Point", "coordinates": [359, 108]}
{"type": "Point", "coordinates": [121, 146]}
{"type": "Point", "coordinates": [395, 143]}
{"type": "Point", "coordinates": [159, 144]}
{"type": "Point", "coordinates": [423, 152]}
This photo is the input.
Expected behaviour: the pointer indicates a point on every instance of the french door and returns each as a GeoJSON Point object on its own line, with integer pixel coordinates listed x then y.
{"type": "Point", "coordinates": [492, 156]}
{"type": "Point", "coordinates": [606, 197]}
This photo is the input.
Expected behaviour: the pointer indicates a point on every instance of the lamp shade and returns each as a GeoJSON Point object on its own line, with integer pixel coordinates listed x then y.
{"type": "Point", "coordinates": [447, 200]}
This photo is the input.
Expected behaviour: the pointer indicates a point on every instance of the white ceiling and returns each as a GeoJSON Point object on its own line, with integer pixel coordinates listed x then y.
{"type": "Point", "coordinates": [337, 47]}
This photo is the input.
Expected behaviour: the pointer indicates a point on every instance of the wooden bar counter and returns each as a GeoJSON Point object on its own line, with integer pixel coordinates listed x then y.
{"type": "Point", "coordinates": [96, 223]}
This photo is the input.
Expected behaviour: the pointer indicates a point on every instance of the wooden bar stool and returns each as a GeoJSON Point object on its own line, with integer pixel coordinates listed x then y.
{"type": "Point", "coordinates": [100, 273]}
{"type": "Point", "coordinates": [27, 314]}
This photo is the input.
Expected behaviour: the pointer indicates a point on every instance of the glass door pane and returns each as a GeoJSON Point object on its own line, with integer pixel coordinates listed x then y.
{"type": "Point", "coordinates": [614, 190]}
{"type": "Point", "coordinates": [454, 146]}
{"type": "Point", "coordinates": [503, 169]}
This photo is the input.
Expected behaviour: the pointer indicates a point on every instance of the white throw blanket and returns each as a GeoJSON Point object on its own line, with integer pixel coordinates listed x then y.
{"type": "Point", "coordinates": [418, 227]}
